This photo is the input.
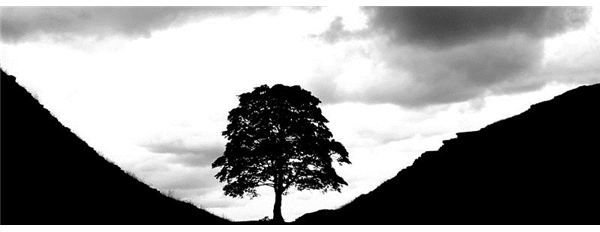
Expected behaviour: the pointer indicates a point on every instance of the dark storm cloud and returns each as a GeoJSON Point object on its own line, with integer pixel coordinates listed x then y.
{"type": "Point", "coordinates": [459, 73]}
{"type": "Point", "coordinates": [450, 26]}
{"type": "Point", "coordinates": [19, 24]}
{"type": "Point", "coordinates": [438, 55]}
{"type": "Point", "coordinates": [187, 154]}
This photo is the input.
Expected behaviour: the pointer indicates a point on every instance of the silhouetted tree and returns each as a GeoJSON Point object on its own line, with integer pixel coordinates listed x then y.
{"type": "Point", "coordinates": [278, 138]}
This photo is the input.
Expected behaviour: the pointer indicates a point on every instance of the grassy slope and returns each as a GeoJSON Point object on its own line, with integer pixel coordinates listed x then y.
{"type": "Point", "coordinates": [539, 167]}
{"type": "Point", "coordinates": [50, 176]}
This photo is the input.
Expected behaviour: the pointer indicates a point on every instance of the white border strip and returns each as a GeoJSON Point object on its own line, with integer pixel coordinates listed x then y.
{"type": "Point", "coordinates": [266, 228]}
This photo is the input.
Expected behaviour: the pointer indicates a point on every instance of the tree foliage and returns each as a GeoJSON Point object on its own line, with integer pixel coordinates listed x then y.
{"type": "Point", "coordinates": [278, 138]}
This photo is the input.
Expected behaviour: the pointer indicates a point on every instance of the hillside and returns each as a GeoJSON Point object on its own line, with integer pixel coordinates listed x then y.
{"type": "Point", "coordinates": [539, 167]}
{"type": "Point", "coordinates": [49, 175]}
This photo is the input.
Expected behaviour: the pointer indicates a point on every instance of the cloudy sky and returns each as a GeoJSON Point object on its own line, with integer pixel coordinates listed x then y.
{"type": "Point", "coordinates": [150, 87]}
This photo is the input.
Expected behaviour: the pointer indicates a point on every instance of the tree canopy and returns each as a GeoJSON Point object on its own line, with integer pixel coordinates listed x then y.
{"type": "Point", "coordinates": [278, 138]}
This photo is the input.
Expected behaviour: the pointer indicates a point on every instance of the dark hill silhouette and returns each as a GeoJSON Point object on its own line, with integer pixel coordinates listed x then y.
{"type": "Point", "coordinates": [539, 167]}
{"type": "Point", "coordinates": [50, 176]}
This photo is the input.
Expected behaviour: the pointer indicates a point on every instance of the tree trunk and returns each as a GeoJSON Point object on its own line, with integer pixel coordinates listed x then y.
{"type": "Point", "coordinates": [277, 217]}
